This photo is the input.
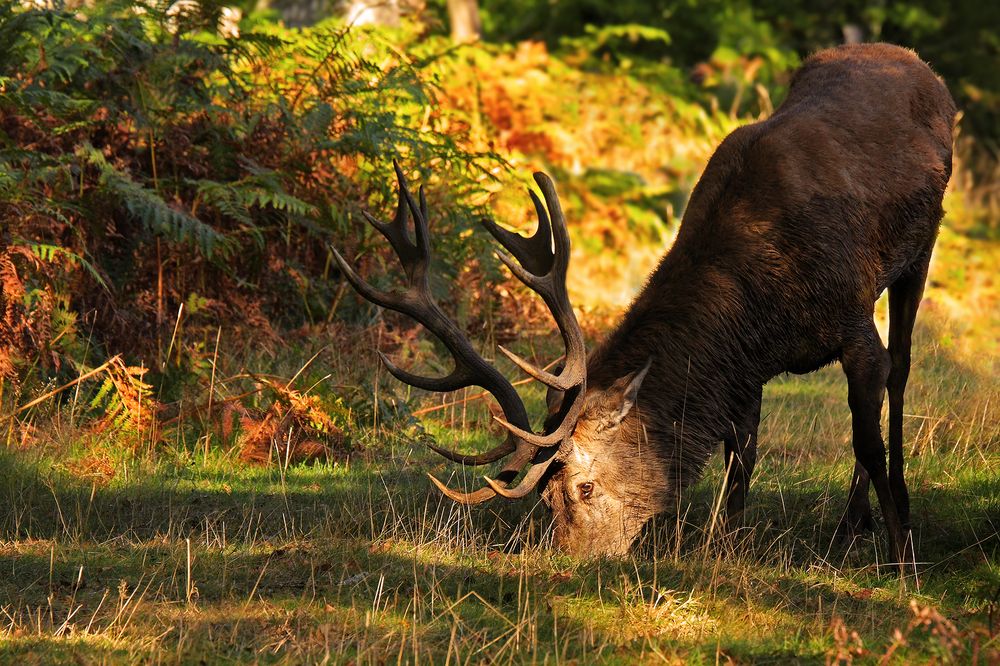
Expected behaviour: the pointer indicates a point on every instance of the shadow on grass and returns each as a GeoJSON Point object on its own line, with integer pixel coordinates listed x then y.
{"type": "Point", "coordinates": [248, 505]}
{"type": "Point", "coordinates": [794, 510]}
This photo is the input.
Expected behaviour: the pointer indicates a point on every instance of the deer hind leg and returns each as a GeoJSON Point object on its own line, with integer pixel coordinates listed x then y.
{"type": "Point", "coordinates": [866, 363]}
{"type": "Point", "coordinates": [741, 456]}
{"type": "Point", "coordinates": [904, 299]}
{"type": "Point", "coordinates": [858, 518]}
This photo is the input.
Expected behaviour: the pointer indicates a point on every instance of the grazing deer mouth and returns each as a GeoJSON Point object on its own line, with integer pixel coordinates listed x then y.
{"type": "Point", "coordinates": [612, 539]}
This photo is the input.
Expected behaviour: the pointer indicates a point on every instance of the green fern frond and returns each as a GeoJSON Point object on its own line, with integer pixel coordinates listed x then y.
{"type": "Point", "coordinates": [98, 401]}
{"type": "Point", "coordinates": [224, 197]}
{"type": "Point", "coordinates": [30, 100]}
{"type": "Point", "coordinates": [51, 253]}
{"type": "Point", "coordinates": [263, 188]}
{"type": "Point", "coordinates": [155, 213]}
{"type": "Point", "coordinates": [254, 46]}
{"type": "Point", "coordinates": [280, 200]}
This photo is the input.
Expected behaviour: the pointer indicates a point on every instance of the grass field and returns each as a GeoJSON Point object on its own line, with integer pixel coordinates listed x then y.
{"type": "Point", "coordinates": [114, 552]}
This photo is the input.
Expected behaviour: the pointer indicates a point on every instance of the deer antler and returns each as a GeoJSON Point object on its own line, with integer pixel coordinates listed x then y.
{"type": "Point", "coordinates": [541, 264]}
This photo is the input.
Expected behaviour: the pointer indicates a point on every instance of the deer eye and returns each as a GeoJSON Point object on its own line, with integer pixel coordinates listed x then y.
{"type": "Point", "coordinates": [586, 490]}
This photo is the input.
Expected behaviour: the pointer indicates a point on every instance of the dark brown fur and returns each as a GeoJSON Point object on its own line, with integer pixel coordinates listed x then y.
{"type": "Point", "coordinates": [797, 226]}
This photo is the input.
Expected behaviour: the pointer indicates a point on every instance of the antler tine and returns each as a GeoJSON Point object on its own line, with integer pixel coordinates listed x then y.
{"type": "Point", "coordinates": [533, 252]}
{"type": "Point", "coordinates": [562, 431]}
{"type": "Point", "coordinates": [419, 212]}
{"type": "Point", "coordinates": [560, 233]}
{"type": "Point", "coordinates": [414, 256]}
{"type": "Point", "coordinates": [368, 292]}
{"type": "Point", "coordinates": [412, 302]}
{"type": "Point", "coordinates": [544, 261]}
{"type": "Point", "coordinates": [522, 456]}
{"type": "Point", "coordinates": [475, 497]}
{"type": "Point", "coordinates": [534, 371]}
{"type": "Point", "coordinates": [528, 483]}
{"type": "Point", "coordinates": [493, 455]}
{"type": "Point", "coordinates": [574, 371]}
{"type": "Point", "coordinates": [458, 379]}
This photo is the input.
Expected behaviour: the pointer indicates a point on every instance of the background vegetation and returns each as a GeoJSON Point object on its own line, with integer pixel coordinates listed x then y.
{"type": "Point", "coordinates": [202, 459]}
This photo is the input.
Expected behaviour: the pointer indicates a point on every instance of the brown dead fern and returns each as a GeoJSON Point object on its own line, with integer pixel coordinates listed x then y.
{"type": "Point", "coordinates": [294, 429]}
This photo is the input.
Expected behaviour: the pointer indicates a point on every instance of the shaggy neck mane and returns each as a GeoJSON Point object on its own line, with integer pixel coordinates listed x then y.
{"type": "Point", "coordinates": [689, 319]}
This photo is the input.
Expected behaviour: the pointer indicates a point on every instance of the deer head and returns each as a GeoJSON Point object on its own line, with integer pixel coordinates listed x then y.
{"type": "Point", "coordinates": [596, 491]}
{"type": "Point", "coordinates": [589, 515]}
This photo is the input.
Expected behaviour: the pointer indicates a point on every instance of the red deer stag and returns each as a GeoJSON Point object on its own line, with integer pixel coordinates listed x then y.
{"type": "Point", "coordinates": [796, 227]}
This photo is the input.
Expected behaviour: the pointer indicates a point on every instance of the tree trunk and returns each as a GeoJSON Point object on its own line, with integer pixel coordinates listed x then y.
{"type": "Point", "coordinates": [464, 17]}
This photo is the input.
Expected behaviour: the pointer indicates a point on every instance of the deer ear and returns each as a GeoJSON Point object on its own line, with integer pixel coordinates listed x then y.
{"type": "Point", "coordinates": [630, 392]}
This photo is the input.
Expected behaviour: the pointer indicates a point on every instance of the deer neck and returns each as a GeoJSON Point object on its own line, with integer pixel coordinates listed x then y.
{"type": "Point", "coordinates": [688, 319]}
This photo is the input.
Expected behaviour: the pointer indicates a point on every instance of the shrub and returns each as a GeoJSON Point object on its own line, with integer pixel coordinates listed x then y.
{"type": "Point", "coordinates": [159, 178]}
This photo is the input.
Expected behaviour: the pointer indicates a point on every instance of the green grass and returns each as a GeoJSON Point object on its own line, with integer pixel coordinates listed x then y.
{"type": "Point", "coordinates": [182, 558]}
